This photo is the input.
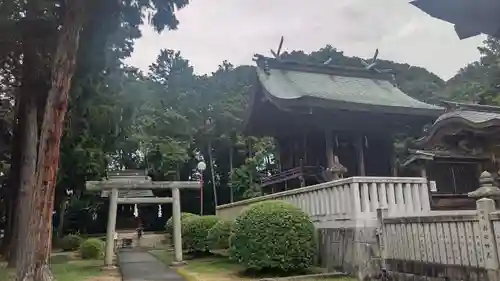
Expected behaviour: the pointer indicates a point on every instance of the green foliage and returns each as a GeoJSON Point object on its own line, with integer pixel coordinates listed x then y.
{"type": "Point", "coordinates": [92, 248]}
{"type": "Point", "coordinates": [245, 180]}
{"type": "Point", "coordinates": [195, 233]}
{"type": "Point", "coordinates": [273, 235]}
{"type": "Point", "coordinates": [70, 242]}
{"type": "Point", "coordinates": [218, 235]}
{"type": "Point", "coordinates": [169, 226]}
{"type": "Point", "coordinates": [479, 81]}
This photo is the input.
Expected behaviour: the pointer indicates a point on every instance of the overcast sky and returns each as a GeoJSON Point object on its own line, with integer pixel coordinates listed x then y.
{"type": "Point", "coordinates": [211, 31]}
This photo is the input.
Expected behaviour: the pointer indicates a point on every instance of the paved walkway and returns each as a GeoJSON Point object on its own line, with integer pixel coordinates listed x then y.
{"type": "Point", "coordinates": [142, 266]}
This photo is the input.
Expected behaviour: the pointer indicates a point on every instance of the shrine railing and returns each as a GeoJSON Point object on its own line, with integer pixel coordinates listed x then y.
{"type": "Point", "coordinates": [304, 171]}
{"type": "Point", "coordinates": [348, 199]}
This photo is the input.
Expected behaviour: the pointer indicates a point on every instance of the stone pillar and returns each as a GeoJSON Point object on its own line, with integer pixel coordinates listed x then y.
{"type": "Point", "coordinates": [382, 213]}
{"type": "Point", "coordinates": [110, 231]}
{"type": "Point", "coordinates": [176, 218]}
{"type": "Point", "coordinates": [485, 206]}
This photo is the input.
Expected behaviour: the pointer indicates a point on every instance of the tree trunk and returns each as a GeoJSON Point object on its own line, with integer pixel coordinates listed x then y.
{"type": "Point", "coordinates": [24, 253]}
{"type": "Point", "coordinates": [13, 186]}
{"type": "Point", "coordinates": [62, 213]}
{"type": "Point", "coordinates": [212, 173]}
{"type": "Point", "coordinates": [38, 240]}
{"type": "Point", "coordinates": [27, 138]}
{"type": "Point", "coordinates": [19, 150]}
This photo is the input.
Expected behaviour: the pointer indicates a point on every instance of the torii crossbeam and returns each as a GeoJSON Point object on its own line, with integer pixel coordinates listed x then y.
{"type": "Point", "coordinates": [136, 180]}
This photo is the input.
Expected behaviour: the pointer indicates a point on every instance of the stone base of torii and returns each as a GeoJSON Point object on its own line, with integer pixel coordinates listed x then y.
{"type": "Point", "coordinates": [136, 180]}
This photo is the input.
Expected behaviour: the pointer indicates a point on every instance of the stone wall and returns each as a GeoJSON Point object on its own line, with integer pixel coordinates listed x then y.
{"type": "Point", "coordinates": [353, 250]}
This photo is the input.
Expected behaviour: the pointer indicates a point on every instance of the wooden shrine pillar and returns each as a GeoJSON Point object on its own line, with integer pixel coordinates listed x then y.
{"type": "Point", "coordinates": [277, 155]}
{"type": "Point", "coordinates": [361, 155]}
{"type": "Point", "coordinates": [304, 148]}
{"type": "Point", "coordinates": [394, 162]}
{"type": "Point", "coordinates": [423, 171]}
{"type": "Point", "coordinates": [330, 156]}
{"type": "Point", "coordinates": [394, 167]}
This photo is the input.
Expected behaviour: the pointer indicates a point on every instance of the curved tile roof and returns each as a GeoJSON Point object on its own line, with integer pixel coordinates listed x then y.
{"type": "Point", "coordinates": [472, 118]}
{"type": "Point", "coordinates": [464, 118]}
{"type": "Point", "coordinates": [289, 84]}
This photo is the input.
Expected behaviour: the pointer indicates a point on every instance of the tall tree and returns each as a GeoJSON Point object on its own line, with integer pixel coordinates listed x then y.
{"type": "Point", "coordinates": [35, 222]}
{"type": "Point", "coordinates": [480, 80]}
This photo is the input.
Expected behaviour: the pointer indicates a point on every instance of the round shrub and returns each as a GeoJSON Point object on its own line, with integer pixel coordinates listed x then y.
{"type": "Point", "coordinates": [169, 226]}
{"type": "Point", "coordinates": [195, 232]}
{"type": "Point", "coordinates": [70, 242]}
{"type": "Point", "coordinates": [273, 235]}
{"type": "Point", "coordinates": [92, 248]}
{"type": "Point", "coordinates": [218, 235]}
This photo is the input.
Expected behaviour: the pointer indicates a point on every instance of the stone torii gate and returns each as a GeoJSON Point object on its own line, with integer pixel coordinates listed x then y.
{"type": "Point", "coordinates": [136, 180]}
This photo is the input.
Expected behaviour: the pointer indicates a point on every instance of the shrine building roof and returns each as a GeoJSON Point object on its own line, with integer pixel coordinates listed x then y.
{"type": "Point", "coordinates": [473, 114]}
{"type": "Point", "coordinates": [290, 84]}
{"type": "Point", "coordinates": [417, 155]}
{"type": "Point", "coordinates": [480, 119]}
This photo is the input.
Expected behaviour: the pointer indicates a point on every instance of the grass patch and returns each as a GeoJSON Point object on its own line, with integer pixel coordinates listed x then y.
{"type": "Point", "coordinates": [220, 268]}
{"type": "Point", "coordinates": [4, 273]}
{"type": "Point", "coordinates": [77, 270]}
{"type": "Point", "coordinates": [66, 268]}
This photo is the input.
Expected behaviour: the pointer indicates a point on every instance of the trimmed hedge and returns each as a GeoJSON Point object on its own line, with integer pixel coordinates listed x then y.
{"type": "Point", "coordinates": [273, 235]}
{"type": "Point", "coordinates": [195, 233]}
{"type": "Point", "coordinates": [70, 243]}
{"type": "Point", "coordinates": [169, 226]}
{"type": "Point", "coordinates": [218, 235]}
{"type": "Point", "coordinates": [92, 248]}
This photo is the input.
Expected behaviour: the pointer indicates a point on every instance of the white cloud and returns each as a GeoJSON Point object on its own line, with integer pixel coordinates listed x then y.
{"type": "Point", "coordinates": [214, 30]}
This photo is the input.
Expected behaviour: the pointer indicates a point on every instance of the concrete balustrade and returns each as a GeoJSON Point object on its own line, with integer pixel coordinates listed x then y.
{"type": "Point", "coordinates": [350, 199]}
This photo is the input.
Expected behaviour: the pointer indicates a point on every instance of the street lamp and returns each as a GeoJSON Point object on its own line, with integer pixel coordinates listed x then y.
{"type": "Point", "coordinates": [201, 168]}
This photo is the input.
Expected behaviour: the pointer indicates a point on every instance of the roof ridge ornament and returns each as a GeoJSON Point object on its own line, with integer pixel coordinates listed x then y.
{"type": "Point", "coordinates": [262, 62]}
{"type": "Point", "coordinates": [373, 63]}
{"type": "Point", "coordinates": [277, 54]}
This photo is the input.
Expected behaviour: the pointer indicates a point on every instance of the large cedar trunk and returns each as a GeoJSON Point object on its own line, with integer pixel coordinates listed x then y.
{"type": "Point", "coordinates": [7, 248]}
{"type": "Point", "coordinates": [25, 244]}
{"type": "Point", "coordinates": [21, 147]}
{"type": "Point", "coordinates": [36, 223]}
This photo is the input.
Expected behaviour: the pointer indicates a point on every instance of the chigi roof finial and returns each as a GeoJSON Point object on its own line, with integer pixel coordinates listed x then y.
{"type": "Point", "coordinates": [277, 54]}
{"type": "Point", "coordinates": [371, 65]}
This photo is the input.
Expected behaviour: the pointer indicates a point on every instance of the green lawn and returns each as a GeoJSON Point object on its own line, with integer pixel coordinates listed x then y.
{"type": "Point", "coordinates": [66, 269]}
{"type": "Point", "coordinates": [218, 268]}
{"type": "Point", "coordinates": [75, 270]}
